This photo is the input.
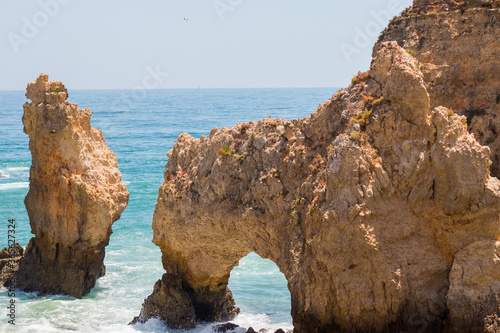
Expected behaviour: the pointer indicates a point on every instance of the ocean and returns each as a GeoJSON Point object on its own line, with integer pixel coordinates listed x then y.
{"type": "Point", "coordinates": [141, 127]}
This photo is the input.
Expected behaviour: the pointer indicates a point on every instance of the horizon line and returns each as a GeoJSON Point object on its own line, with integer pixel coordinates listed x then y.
{"type": "Point", "coordinates": [199, 88]}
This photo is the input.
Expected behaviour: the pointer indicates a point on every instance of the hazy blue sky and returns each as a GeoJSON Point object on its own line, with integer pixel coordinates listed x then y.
{"type": "Point", "coordinates": [106, 44]}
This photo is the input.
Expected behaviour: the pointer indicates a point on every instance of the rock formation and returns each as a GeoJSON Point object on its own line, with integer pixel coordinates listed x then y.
{"type": "Point", "coordinates": [456, 44]}
{"type": "Point", "coordinates": [75, 194]}
{"type": "Point", "coordinates": [9, 264]}
{"type": "Point", "coordinates": [379, 209]}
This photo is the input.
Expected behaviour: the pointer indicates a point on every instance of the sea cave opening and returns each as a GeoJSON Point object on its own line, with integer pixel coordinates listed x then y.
{"type": "Point", "coordinates": [260, 291]}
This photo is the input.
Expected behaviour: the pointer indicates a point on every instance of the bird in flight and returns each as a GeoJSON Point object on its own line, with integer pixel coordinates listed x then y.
{"type": "Point", "coordinates": [185, 19]}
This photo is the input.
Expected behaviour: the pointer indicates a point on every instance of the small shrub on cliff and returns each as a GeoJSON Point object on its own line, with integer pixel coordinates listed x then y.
{"type": "Point", "coordinates": [377, 101]}
{"type": "Point", "coordinates": [367, 98]}
{"type": "Point", "coordinates": [225, 151]}
{"type": "Point", "coordinates": [361, 77]}
{"type": "Point", "coordinates": [273, 123]}
{"type": "Point", "coordinates": [244, 128]}
{"type": "Point", "coordinates": [295, 217]}
{"type": "Point", "coordinates": [239, 157]}
{"type": "Point", "coordinates": [318, 161]}
{"type": "Point", "coordinates": [362, 119]}
{"type": "Point", "coordinates": [297, 202]}
{"type": "Point", "coordinates": [355, 135]}
{"type": "Point", "coordinates": [55, 90]}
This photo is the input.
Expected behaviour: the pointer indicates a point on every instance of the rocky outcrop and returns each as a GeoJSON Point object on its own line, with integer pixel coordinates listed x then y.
{"type": "Point", "coordinates": [9, 264]}
{"type": "Point", "coordinates": [75, 194]}
{"type": "Point", "coordinates": [456, 44]}
{"type": "Point", "coordinates": [233, 328]}
{"type": "Point", "coordinates": [475, 282]}
{"type": "Point", "coordinates": [379, 209]}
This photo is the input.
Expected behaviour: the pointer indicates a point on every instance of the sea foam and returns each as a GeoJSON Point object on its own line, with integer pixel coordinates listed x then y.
{"type": "Point", "coordinates": [12, 186]}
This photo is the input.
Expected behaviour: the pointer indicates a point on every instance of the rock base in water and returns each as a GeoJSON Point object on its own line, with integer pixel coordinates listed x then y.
{"type": "Point", "coordinates": [75, 194]}
{"type": "Point", "coordinates": [9, 265]}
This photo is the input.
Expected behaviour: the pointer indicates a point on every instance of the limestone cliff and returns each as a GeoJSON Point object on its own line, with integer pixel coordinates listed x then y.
{"type": "Point", "coordinates": [456, 44]}
{"type": "Point", "coordinates": [75, 194]}
{"type": "Point", "coordinates": [379, 209]}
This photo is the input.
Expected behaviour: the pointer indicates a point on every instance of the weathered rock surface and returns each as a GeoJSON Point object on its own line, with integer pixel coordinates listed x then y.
{"type": "Point", "coordinates": [225, 328]}
{"type": "Point", "coordinates": [379, 209]}
{"type": "Point", "coordinates": [75, 194]}
{"type": "Point", "coordinates": [9, 264]}
{"type": "Point", "coordinates": [475, 282]}
{"type": "Point", "coordinates": [456, 44]}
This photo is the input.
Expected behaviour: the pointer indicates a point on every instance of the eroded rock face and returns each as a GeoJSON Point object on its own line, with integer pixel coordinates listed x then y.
{"type": "Point", "coordinates": [379, 209]}
{"type": "Point", "coordinates": [456, 43]}
{"type": "Point", "coordinates": [75, 194]}
{"type": "Point", "coordinates": [366, 207]}
{"type": "Point", "coordinates": [9, 264]}
{"type": "Point", "coordinates": [476, 283]}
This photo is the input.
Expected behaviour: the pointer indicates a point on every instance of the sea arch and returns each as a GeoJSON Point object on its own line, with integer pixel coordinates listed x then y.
{"type": "Point", "coordinates": [261, 292]}
{"type": "Point", "coordinates": [199, 263]}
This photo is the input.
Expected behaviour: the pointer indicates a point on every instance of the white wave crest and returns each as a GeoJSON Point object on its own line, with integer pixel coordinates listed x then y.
{"type": "Point", "coordinates": [12, 186]}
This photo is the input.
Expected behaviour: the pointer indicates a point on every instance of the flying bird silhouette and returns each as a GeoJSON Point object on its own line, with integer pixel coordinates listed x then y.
{"type": "Point", "coordinates": [185, 19]}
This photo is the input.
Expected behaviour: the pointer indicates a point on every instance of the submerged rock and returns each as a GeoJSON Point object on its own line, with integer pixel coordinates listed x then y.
{"type": "Point", "coordinates": [225, 328]}
{"type": "Point", "coordinates": [379, 209]}
{"type": "Point", "coordinates": [75, 194]}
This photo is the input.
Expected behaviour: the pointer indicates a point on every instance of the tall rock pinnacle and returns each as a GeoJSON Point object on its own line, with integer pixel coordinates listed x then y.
{"type": "Point", "coordinates": [75, 194]}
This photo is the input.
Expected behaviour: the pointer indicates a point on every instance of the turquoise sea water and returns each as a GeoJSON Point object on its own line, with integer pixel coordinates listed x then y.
{"type": "Point", "coordinates": [140, 127]}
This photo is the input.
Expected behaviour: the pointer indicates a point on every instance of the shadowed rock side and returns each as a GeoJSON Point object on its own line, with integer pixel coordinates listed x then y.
{"type": "Point", "coordinates": [379, 210]}
{"type": "Point", "coordinates": [456, 43]}
{"type": "Point", "coordinates": [75, 194]}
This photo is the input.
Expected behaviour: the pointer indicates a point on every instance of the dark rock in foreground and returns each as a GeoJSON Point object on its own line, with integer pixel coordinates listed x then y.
{"type": "Point", "coordinates": [9, 264]}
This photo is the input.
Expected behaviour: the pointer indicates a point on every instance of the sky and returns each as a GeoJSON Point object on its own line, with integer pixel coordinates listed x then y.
{"type": "Point", "coordinates": [125, 44]}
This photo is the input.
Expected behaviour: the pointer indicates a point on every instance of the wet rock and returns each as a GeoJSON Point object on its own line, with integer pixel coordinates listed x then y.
{"type": "Point", "coordinates": [169, 300]}
{"type": "Point", "coordinates": [225, 328]}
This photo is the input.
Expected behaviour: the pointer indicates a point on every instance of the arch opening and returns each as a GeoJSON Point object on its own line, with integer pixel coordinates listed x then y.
{"type": "Point", "coordinates": [260, 291]}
